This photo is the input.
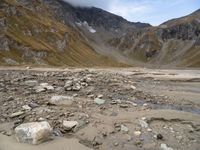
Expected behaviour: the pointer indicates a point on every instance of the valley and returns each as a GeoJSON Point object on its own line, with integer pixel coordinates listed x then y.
{"type": "Point", "coordinates": [82, 78]}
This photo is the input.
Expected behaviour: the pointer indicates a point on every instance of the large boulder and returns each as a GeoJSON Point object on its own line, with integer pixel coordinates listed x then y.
{"type": "Point", "coordinates": [33, 133]}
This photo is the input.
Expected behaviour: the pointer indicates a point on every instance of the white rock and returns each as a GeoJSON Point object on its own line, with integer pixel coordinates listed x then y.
{"type": "Point", "coordinates": [165, 147]}
{"type": "Point", "coordinates": [47, 86]}
{"type": "Point", "coordinates": [68, 84]}
{"type": "Point", "coordinates": [149, 130]}
{"type": "Point", "coordinates": [137, 133]}
{"type": "Point", "coordinates": [16, 114]}
{"type": "Point", "coordinates": [69, 124]}
{"type": "Point", "coordinates": [26, 107]}
{"type": "Point", "coordinates": [99, 101]}
{"type": "Point", "coordinates": [39, 89]}
{"type": "Point", "coordinates": [62, 100]}
{"type": "Point", "coordinates": [133, 87]}
{"type": "Point", "coordinates": [145, 104]}
{"type": "Point", "coordinates": [31, 83]}
{"type": "Point", "coordinates": [143, 124]}
{"type": "Point", "coordinates": [124, 128]}
{"type": "Point", "coordinates": [33, 133]}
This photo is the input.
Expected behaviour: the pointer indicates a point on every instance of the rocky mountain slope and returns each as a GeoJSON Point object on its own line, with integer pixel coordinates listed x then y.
{"type": "Point", "coordinates": [174, 43]}
{"type": "Point", "coordinates": [56, 33]}
{"type": "Point", "coordinates": [32, 34]}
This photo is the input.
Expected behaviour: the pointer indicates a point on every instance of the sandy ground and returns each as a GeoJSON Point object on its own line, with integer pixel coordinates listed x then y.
{"type": "Point", "coordinates": [167, 100]}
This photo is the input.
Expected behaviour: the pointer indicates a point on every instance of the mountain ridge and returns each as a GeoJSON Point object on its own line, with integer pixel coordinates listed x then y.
{"type": "Point", "coordinates": [90, 36]}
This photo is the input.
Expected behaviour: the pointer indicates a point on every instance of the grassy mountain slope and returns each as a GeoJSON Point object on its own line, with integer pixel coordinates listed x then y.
{"type": "Point", "coordinates": [32, 35]}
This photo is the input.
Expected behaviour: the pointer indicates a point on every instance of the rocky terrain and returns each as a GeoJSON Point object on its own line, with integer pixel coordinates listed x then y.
{"type": "Point", "coordinates": [99, 109]}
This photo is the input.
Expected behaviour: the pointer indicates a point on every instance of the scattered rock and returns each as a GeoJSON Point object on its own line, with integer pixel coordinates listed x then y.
{"type": "Point", "coordinates": [116, 144]}
{"type": "Point", "coordinates": [46, 86]}
{"type": "Point", "coordinates": [26, 107]}
{"type": "Point", "coordinates": [31, 83]}
{"type": "Point", "coordinates": [43, 87]}
{"type": "Point", "coordinates": [159, 136]}
{"type": "Point", "coordinates": [123, 105]}
{"type": "Point", "coordinates": [143, 124]}
{"type": "Point", "coordinates": [137, 133]}
{"type": "Point", "coordinates": [133, 87]}
{"type": "Point", "coordinates": [33, 133]}
{"type": "Point", "coordinates": [149, 130]}
{"type": "Point", "coordinates": [16, 114]}
{"type": "Point", "coordinates": [61, 100]}
{"type": "Point", "coordinates": [99, 101]}
{"type": "Point", "coordinates": [124, 129]}
{"type": "Point", "coordinates": [69, 124]}
{"type": "Point", "coordinates": [165, 147]}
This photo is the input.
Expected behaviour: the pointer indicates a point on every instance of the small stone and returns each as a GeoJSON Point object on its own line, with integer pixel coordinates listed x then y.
{"type": "Point", "coordinates": [31, 83]}
{"type": "Point", "coordinates": [46, 86]}
{"type": "Point", "coordinates": [134, 104]}
{"type": "Point", "coordinates": [116, 143]}
{"type": "Point", "coordinates": [143, 124]}
{"type": "Point", "coordinates": [26, 107]}
{"type": "Point", "coordinates": [16, 114]}
{"type": "Point", "coordinates": [124, 129]}
{"type": "Point", "coordinates": [41, 119]}
{"type": "Point", "coordinates": [133, 87]}
{"type": "Point", "coordinates": [33, 133]}
{"type": "Point", "coordinates": [123, 105]}
{"type": "Point", "coordinates": [145, 104]}
{"type": "Point", "coordinates": [99, 101]}
{"type": "Point", "coordinates": [69, 124]}
{"type": "Point", "coordinates": [68, 84]}
{"type": "Point", "coordinates": [39, 89]}
{"type": "Point", "coordinates": [61, 100]}
{"type": "Point", "coordinates": [159, 136]}
{"type": "Point", "coordinates": [149, 130]}
{"type": "Point", "coordinates": [113, 102]}
{"type": "Point", "coordinates": [165, 147]}
{"type": "Point", "coordinates": [137, 133]}
{"type": "Point", "coordinates": [100, 96]}
{"type": "Point", "coordinates": [138, 142]}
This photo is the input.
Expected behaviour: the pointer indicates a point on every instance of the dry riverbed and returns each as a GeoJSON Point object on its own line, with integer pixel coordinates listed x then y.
{"type": "Point", "coordinates": [121, 109]}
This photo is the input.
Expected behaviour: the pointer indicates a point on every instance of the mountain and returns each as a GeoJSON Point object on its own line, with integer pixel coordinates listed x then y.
{"type": "Point", "coordinates": [53, 32]}
{"type": "Point", "coordinates": [31, 34]}
{"type": "Point", "coordinates": [173, 43]}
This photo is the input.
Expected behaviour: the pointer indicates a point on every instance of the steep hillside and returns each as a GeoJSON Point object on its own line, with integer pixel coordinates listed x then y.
{"type": "Point", "coordinates": [173, 43]}
{"type": "Point", "coordinates": [53, 32]}
{"type": "Point", "coordinates": [31, 34]}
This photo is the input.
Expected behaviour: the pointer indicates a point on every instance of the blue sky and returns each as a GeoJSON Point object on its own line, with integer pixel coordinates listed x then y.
{"type": "Point", "coordinates": [154, 12]}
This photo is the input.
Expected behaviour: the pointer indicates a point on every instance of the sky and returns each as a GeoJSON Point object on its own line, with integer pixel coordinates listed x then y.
{"type": "Point", "coordinates": [154, 12]}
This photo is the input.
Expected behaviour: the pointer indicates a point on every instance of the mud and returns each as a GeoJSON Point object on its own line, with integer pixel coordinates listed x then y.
{"type": "Point", "coordinates": [143, 108]}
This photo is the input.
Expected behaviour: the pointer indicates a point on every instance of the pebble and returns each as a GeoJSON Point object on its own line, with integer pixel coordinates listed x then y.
{"type": "Point", "coordinates": [124, 129]}
{"type": "Point", "coordinates": [16, 114]}
{"type": "Point", "coordinates": [99, 101]}
{"type": "Point", "coordinates": [165, 147]}
{"type": "Point", "coordinates": [137, 133]}
{"type": "Point", "coordinates": [123, 105]}
{"type": "Point", "coordinates": [143, 124]}
{"type": "Point", "coordinates": [26, 107]}
{"type": "Point", "coordinates": [69, 124]}
{"type": "Point", "coordinates": [159, 136]}
{"type": "Point", "coordinates": [116, 143]}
